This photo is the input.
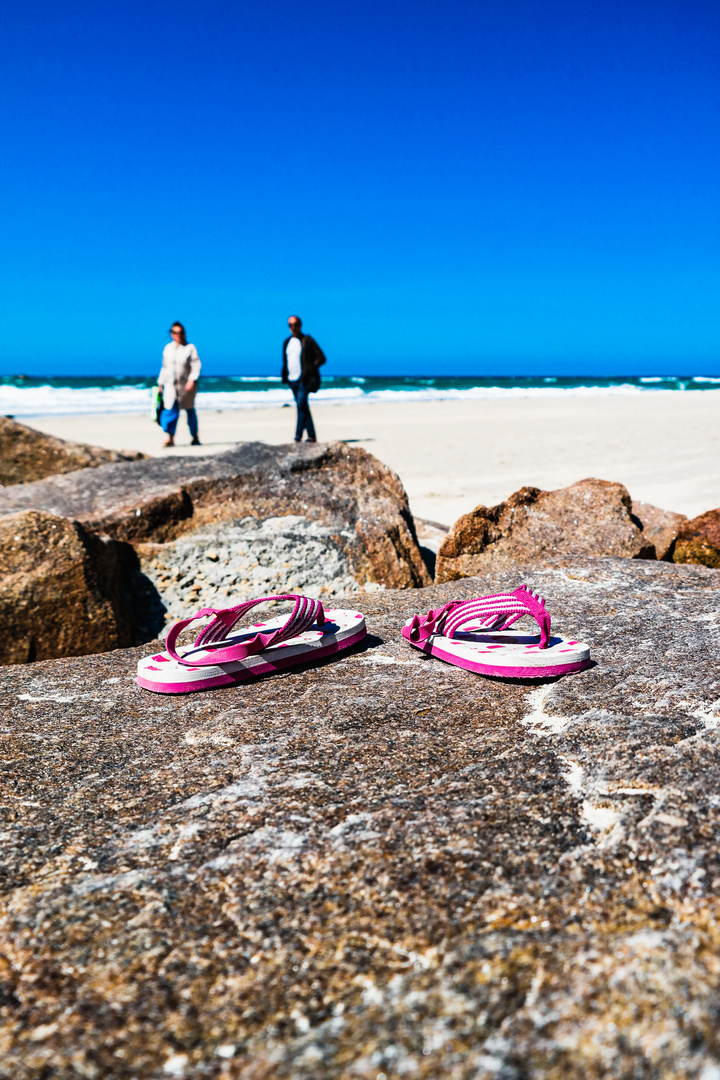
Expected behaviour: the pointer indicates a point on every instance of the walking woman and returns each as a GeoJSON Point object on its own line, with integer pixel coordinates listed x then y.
{"type": "Point", "coordinates": [179, 379]}
{"type": "Point", "coordinates": [301, 361]}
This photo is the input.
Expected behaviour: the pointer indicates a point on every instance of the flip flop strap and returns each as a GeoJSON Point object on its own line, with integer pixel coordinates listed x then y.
{"type": "Point", "coordinates": [306, 612]}
{"type": "Point", "coordinates": [496, 612]}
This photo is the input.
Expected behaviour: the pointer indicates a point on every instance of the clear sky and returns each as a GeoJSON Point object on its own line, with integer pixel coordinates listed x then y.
{"type": "Point", "coordinates": [478, 187]}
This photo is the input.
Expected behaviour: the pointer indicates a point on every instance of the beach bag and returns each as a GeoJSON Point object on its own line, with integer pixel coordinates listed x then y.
{"type": "Point", "coordinates": [157, 403]}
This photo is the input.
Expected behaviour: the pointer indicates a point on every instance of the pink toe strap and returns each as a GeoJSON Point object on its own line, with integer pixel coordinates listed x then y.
{"type": "Point", "coordinates": [306, 612]}
{"type": "Point", "coordinates": [496, 612]}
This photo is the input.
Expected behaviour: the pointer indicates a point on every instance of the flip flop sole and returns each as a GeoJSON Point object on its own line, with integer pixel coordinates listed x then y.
{"type": "Point", "coordinates": [506, 654]}
{"type": "Point", "coordinates": [162, 675]}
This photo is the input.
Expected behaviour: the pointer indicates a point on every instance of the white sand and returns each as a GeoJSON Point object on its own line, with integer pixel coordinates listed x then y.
{"type": "Point", "coordinates": [453, 455]}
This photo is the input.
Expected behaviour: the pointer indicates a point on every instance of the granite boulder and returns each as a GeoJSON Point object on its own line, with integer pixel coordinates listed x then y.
{"type": "Point", "coordinates": [379, 866]}
{"type": "Point", "coordinates": [27, 454]}
{"type": "Point", "coordinates": [63, 591]}
{"type": "Point", "coordinates": [589, 518]}
{"type": "Point", "coordinates": [698, 540]}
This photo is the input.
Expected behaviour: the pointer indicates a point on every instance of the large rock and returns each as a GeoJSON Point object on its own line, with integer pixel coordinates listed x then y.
{"type": "Point", "coordinates": [659, 527]}
{"type": "Point", "coordinates": [698, 540]}
{"type": "Point", "coordinates": [360, 502]}
{"type": "Point", "coordinates": [592, 517]}
{"type": "Point", "coordinates": [63, 592]}
{"type": "Point", "coordinates": [237, 560]}
{"type": "Point", "coordinates": [380, 865]}
{"type": "Point", "coordinates": [27, 454]}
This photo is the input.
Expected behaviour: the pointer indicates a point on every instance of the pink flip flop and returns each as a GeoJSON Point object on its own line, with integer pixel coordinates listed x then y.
{"type": "Point", "coordinates": [216, 659]}
{"type": "Point", "coordinates": [486, 643]}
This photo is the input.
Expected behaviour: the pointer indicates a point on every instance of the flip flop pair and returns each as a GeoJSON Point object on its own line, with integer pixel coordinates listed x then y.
{"type": "Point", "coordinates": [472, 634]}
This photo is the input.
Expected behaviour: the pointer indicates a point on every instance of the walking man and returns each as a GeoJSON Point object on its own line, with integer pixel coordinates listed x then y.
{"type": "Point", "coordinates": [302, 358]}
{"type": "Point", "coordinates": [179, 379]}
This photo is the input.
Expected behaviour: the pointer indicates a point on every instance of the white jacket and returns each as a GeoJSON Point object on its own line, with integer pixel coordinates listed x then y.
{"type": "Point", "coordinates": [180, 363]}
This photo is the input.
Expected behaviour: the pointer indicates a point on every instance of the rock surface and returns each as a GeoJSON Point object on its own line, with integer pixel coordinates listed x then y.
{"type": "Point", "coordinates": [63, 592]}
{"type": "Point", "coordinates": [381, 865]}
{"type": "Point", "coordinates": [660, 527]}
{"type": "Point", "coordinates": [590, 518]}
{"type": "Point", "coordinates": [342, 488]}
{"type": "Point", "coordinates": [239, 560]}
{"type": "Point", "coordinates": [698, 540]}
{"type": "Point", "coordinates": [27, 454]}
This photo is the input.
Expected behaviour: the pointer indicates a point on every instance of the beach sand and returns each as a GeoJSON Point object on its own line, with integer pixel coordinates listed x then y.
{"type": "Point", "coordinates": [453, 455]}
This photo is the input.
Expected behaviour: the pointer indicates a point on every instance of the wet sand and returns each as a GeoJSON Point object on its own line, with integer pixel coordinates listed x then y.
{"type": "Point", "coordinates": [453, 455]}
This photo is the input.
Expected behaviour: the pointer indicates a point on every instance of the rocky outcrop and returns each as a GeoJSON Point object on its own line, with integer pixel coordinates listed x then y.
{"type": "Point", "coordinates": [382, 864]}
{"type": "Point", "coordinates": [659, 527]}
{"type": "Point", "coordinates": [590, 518]}
{"type": "Point", "coordinates": [63, 592]}
{"type": "Point", "coordinates": [698, 540]}
{"type": "Point", "coordinates": [343, 489]}
{"type": "Point", "coordinates": [27, 454]}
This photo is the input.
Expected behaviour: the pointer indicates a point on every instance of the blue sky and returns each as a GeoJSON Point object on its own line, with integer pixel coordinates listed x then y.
{"type": "Point", "coordinates": [500, 187]}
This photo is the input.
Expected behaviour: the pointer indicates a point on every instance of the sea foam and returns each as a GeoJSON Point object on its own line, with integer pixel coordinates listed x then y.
{"type": "Point", "coordinates": [58, 396]}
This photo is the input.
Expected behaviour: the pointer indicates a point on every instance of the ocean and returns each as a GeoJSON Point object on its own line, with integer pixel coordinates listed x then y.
{"type": "Point", "coordinates": [22, 395]}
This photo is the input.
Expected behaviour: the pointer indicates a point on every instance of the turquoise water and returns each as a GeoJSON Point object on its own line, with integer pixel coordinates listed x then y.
{"type": "Point", "coordinates": [369, 383]}
{"type": "Point", "coordinates": [37, 395]}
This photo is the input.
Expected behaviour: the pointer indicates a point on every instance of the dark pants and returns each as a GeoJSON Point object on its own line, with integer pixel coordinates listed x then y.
{"type": "Point", "coordinates": [304, 419]}
{"type": "Point", "coordinates": [169, 420]}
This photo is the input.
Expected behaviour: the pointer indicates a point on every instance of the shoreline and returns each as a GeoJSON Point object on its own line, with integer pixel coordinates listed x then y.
{"type": "Point", "coordinates": [454, 455]}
